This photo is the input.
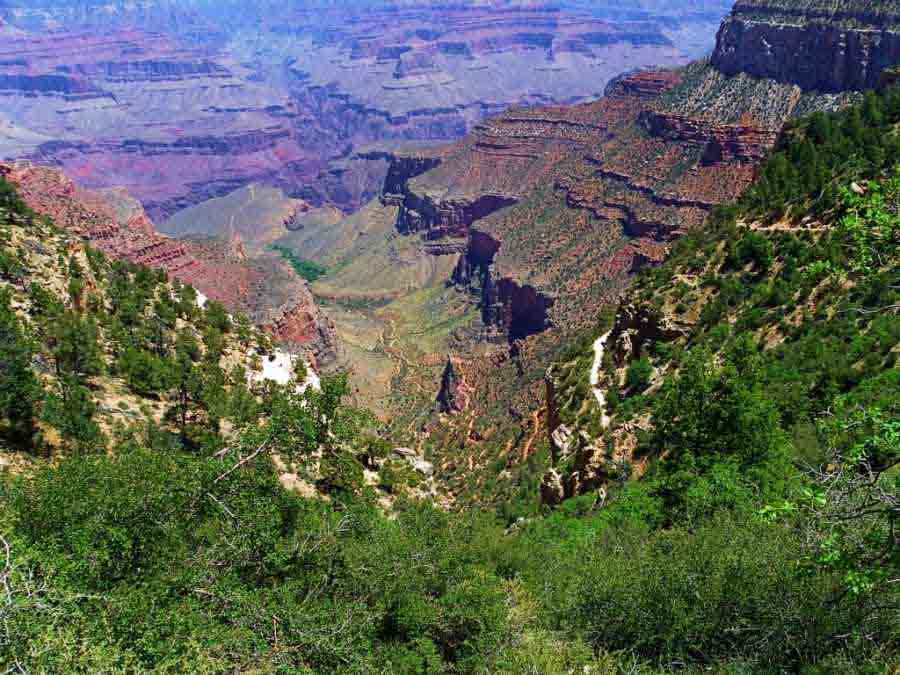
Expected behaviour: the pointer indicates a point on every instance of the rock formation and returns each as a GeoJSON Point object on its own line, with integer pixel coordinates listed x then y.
{"type": "Point", "coordinates": [555, 207]}
{"type": "Point", "coordinates": [821, 45]}
{"type": "Point", "coordinates": [455, 391]}
{"type": "Point", "coordinates": [181, 102]}
{"type": "Point", "coordinates": [592, 193]}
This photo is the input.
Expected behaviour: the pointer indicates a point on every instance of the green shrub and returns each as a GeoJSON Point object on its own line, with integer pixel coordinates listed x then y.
{"type": "Point", "coordinates": [638, 375]}
{"type": "Point", "coordinates": [729, 590]}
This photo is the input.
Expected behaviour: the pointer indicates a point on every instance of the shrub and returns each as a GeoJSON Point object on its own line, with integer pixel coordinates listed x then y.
{"type": "Point", "coordinates": [729, 590]}
{"type": "Point", "coordinates": [638, 375]}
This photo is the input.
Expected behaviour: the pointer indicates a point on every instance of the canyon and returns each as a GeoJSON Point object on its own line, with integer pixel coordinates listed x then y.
{"type": "Point", "coordinates": [476, 181]}
{"type": "Point", "coordinates": [193, 109]}
{"type": "Point", "coordinates": [264, 289]}
{"type": "Point", "coordinates": [183, 102]}
{"type": "Point", "coordinates": [546, 213]}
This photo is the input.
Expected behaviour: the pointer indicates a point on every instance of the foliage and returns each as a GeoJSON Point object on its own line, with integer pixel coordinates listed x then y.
{"type": "Point", "coordinates": [75, 344]}
{"type": "Point", "coordinates": [638, 375]}
{"type": "Point", "coordinates": [19, 388]}
{"type": "Point", "coordinates": [761, 536]}
{"type": "Point", "coordinates": [870, 224]}
{"type": "Point", "coordinates": [70, 410]}
{"type": "Point", "coordinates": [825, 152]}
{"type": "Point", "coordinates": [307, 269]}
{"type": "Point", "coordinates": [711, 417]}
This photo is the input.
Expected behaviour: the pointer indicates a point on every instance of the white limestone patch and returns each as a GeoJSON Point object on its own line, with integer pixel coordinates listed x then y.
{"type": "Point", "coordinates": [279, 367]}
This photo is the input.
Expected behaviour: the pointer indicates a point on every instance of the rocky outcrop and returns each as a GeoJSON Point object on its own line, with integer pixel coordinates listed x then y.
{"type": "Point", "coordinates": [148, 71]}
{"type": "Point", "coordinates": [552, 490]}
{"type": "Point", "coordinates": [415, 64]}
{"type": "Point", "coordinates": [509, 310]}
{"type": "Point", "coordinates": [636, 327]}
{"type": "Point", "coordinates": [302, 323]}
{"type": "Point", "coordinates": [471, 270]}
{"type": "Point", "coordinates": [817, 46]}
{"type": "Point", "coordinates": [718, 142]}
{"type": "Point", "coordinates": [401, 169]}
{"type": "Point", "coordinates": [417, 462]}
{"type": "Point", "coordinates": [642, 84]}
{"type": "Point", "coordinates": [455, 393]}
{"type": "Point", "coordinates": [514, 310]}
{"type": "Point", "coordinates": [434, 219]}
{"type": "Point", "coordinates": [68, 88]}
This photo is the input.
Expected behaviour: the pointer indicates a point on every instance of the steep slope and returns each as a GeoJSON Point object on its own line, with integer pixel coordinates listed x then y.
{"type": "Point", "coordinates": [802, 272]}
{"type": "Point", "coordinates": [817, 44]}
{"type": "Point", "coordinates": [548, 213]}
{"type": "Point", "coordinates": [102, 354]}
{"type": "Point", "coordinates": [632, 171]}
{"type": "Point", "coordinates": [265, 289]}
{"type": "Point", "coordinates": [97, 345]}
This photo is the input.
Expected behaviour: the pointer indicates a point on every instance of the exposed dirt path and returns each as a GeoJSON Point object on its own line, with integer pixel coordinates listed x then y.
{"type": "Point", "coordinates": [537, 426]}
{"type": "Point", "coordinates": [599, 349]}
{"type": "Point", "coordinates": [389, 342]}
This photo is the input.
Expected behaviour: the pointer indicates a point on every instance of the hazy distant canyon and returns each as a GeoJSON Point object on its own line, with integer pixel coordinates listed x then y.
{"type": "Point", "coordinates": [180, 102]}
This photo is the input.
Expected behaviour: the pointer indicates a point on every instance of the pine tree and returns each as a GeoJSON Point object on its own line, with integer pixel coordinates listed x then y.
{"type": "Point", "coordinates": [71, 411]}
{"type": "Point", "coordinates": [186, 382]}
{"type": "Point", "coordinates": [76, 346]}
{"type": "Point", "coordinates": [19, 387]}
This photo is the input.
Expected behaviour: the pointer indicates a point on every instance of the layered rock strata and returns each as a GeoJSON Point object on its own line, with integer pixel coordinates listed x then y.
{"type": "Point", "coordinates": [183, 102]}
{"type": "Point", "coordinates": [819, 45]}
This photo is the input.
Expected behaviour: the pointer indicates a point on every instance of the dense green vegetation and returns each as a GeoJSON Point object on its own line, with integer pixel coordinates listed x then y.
{"type": "Point", "coordinates": [307, 269]}
{"type": "Point", "coordinates": [760, 537]}
{"type": "Point", "coordinates": [822, 153]}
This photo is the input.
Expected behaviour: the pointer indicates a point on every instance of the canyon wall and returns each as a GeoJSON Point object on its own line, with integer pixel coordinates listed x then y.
{"type": "Point", "coordinates": [551, 209]}
{"type": "Point", "coordinates": [113, 222]}
{"type": "Point", "coordinates": [774, 60]}
{"type": "Point", "coordinates": [826, 46]}
{"type": "Point", "coordinates": [597, 191]}
{"type": "Point", "coordinates": [181, 102]}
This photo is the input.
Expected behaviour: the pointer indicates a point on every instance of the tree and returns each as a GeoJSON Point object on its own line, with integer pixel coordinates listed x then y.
{"type": "Point", "coordinates": [71, 411]}
{"type": "Point", "coordinates": [186, 381]}
{"type": "Point", "coordinates": [638, 375]}
{"type": "Point", "coordinates": [186, 301]}
{"type": "Point", "coordinates": [19, 387]}
{"type": "Point", "coordinates": [76, 348]}
{"type": "Point", "coordinates": [217, 317]}
{"type": "Point", "coordinates": [147, 374]}
{"type": "Point", "coordinates": [852, 504]}
{"type": "Point", "coordinates": [242, 406]}
{"type": "Point", "coordinates": [710, 415]}
{"type": "Point", "coordinates": [313, 426]}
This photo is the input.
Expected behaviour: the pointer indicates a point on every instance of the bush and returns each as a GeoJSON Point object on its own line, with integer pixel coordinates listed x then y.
{"type": "Point", "coordinates": [728, 591]}
{"type": "Point", "coordinates": [101, 520]}
{"type": "Point", "coordinates": [638, 375]}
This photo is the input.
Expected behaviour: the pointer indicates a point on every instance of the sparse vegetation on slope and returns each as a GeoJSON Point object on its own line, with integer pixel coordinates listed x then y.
{"type": "Point", "coordinates": [769, 341]}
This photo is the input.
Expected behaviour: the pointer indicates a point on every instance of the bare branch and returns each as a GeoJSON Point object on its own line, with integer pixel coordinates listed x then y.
{"type": "Point", "coordinates": [237, 466]}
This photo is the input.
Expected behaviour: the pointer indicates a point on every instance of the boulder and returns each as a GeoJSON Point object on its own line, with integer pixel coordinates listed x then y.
{"type": "Point", "coordinates": [552, 490]}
